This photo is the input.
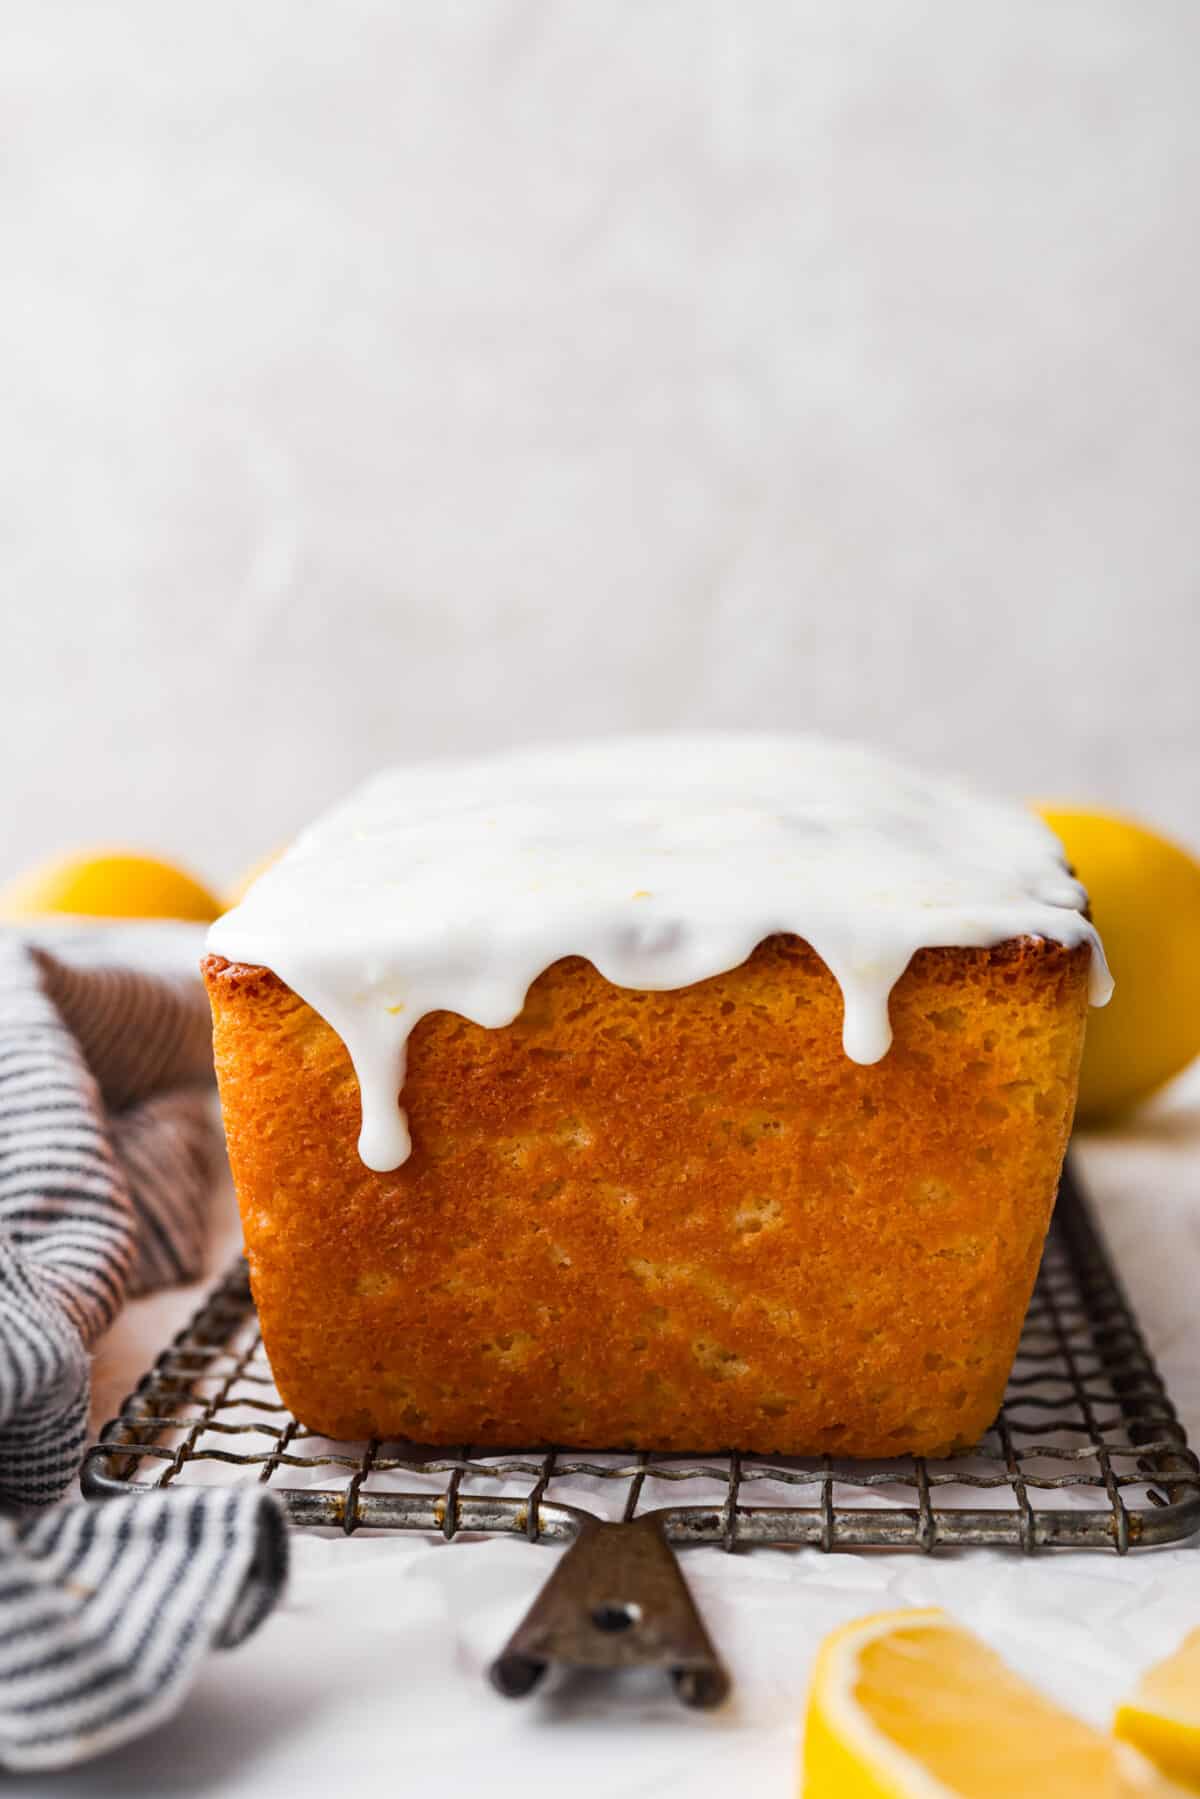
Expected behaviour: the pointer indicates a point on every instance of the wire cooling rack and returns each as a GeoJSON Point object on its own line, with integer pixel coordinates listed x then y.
{"type": "Point", "coordinates": [1087, 1449]}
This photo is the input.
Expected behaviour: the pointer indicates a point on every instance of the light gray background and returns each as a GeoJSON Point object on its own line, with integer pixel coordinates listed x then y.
{"type": "Point", "coordinates": [387, 379]}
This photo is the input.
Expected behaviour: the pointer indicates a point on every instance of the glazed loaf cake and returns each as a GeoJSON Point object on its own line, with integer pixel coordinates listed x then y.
{"type": "Point", "coordinates": [793, 1203]}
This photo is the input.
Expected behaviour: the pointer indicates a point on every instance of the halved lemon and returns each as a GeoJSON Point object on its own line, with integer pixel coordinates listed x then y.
{"type": "Point", "coordinates": [906, 1705]}
{"type": "Point", "coordinates": [1161, 1717]}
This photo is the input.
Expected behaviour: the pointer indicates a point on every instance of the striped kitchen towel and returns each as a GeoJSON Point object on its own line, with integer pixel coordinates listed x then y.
{"type": "Point", "coordinates": [108, 1150]}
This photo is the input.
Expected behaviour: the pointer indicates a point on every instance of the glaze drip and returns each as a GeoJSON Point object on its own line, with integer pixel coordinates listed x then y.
{"type": "Point", "coordinates": [452, 886]}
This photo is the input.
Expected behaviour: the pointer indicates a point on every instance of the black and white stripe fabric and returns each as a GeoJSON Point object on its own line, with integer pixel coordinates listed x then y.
{"type": "Point", "coordinates": [107, 1610]}
{"type": "Point", "coordinates": [108, 1148]}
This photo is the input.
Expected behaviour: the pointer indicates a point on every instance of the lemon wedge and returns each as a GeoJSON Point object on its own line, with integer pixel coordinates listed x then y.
{"type": "Point", "coordinates": [1161, 1717]}
{"type": "Point", "coordinates": [1145, 898]}
{"type": "Point", "coordinates": [108, 884]}
{"type": "Point", "coordinates": [906, 1705]}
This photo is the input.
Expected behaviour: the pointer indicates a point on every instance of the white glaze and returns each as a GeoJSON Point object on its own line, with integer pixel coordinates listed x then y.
{"type": "Point", "coordinates": [664, 860]}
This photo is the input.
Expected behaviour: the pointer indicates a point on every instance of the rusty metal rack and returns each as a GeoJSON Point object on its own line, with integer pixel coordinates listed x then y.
{"type": "Point", "coordinates": [1087, 1449]}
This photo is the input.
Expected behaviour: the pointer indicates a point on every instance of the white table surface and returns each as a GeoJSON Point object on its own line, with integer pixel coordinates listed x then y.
{"type": "Point", "coordinates": [370, 1678]}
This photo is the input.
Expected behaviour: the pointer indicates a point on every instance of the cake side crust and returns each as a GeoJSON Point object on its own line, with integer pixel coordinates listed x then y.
{"type": "Point", "coordinates": [679, 1220]}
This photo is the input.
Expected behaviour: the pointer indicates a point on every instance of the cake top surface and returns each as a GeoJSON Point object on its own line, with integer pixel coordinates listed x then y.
{"type": "Point", "coordinates": [663, 860]}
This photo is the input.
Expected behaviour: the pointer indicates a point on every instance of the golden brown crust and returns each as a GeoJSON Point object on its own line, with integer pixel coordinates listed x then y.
{"type": "Point", "coordinates": [682, 1220]}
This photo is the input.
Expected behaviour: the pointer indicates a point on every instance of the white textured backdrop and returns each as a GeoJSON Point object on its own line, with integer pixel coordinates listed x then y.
{"type": "Point", "coordinates": [384, 379]}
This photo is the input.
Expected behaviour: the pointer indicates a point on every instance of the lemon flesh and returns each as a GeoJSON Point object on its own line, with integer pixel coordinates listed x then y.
{"type": "Point", "coordinates": [108, 885]}
{"type": "Point", "coordinates": [1145, 901]}
{"type": "Point", "coordinates": [1161, 1717]}
{"type": "Point", "coordinates": [906, 1705]}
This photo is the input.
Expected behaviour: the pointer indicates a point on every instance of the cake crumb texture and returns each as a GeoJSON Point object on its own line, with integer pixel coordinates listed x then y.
{"type": "Point", "coordinates": [680, 1220]}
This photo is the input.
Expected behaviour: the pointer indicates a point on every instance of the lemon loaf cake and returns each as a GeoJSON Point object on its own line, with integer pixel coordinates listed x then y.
{"type": "Point", "coordinates": [691, 1093]}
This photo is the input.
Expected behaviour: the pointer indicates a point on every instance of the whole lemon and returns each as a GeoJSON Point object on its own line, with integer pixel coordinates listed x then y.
{"type": "Point", "coordinates": [108, 884]}
{"type": "Point", "coordinates": [1145, 897]}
